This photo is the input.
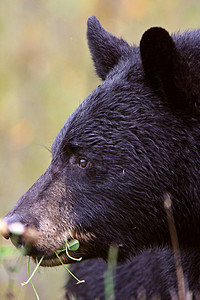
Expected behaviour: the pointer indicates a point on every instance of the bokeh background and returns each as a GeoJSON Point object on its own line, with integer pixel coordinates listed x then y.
{"type": "Point", "coordinates": [45, 72]}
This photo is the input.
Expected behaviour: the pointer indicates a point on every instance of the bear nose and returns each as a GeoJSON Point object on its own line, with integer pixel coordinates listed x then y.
{"type": "Point", "coordinates": [13, 227]}
{"type": "Point", "coordinates": [22, 235]}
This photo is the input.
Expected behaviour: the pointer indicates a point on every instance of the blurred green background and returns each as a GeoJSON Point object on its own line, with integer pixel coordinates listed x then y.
{"type": "Point", "coordinates": [45, 72]}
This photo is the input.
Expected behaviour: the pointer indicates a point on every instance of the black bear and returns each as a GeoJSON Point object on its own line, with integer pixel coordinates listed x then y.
{"type": "Point", "coordinates": [133, 139]}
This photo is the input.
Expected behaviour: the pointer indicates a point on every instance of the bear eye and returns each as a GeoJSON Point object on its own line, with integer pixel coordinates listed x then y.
{"type": "Point", "coordinates": [82, 163]}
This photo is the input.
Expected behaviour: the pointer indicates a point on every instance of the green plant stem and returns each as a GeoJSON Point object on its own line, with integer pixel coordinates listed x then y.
{"type": "Point", "coordinates": [73, 258]}
{"type": "Point", "coordinates": [36, 294]}
{"type": "Point", "coordinates": [78, 281]}
{"type": "Point", "coordinates": [30, 277]}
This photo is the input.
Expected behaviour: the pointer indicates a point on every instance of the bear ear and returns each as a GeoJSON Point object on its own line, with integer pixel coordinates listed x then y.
{"type": "Point", "coordinates": [164, 68]}
{"type": "Point", "coordinates": [106, 49]}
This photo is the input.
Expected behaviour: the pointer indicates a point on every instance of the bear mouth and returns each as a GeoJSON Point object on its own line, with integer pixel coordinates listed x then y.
{"type": "Point", "coordinates": [51, 260]}
{"type": "Point", "coordinates": [30, 242]}
{"type": "Point", "coordinates": [56, 258]}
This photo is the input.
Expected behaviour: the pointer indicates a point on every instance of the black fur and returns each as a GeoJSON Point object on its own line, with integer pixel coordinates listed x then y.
{"type": "Point", "coordinates": [150, 275]}
{"type": "Point", "coordinates": [108, 48]}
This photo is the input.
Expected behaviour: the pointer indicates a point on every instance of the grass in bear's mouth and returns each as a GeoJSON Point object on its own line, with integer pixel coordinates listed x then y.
{"type": "Point", "coordinates": [71, 245]}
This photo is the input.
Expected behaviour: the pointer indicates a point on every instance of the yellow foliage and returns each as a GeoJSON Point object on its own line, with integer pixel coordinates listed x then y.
{"type": "Point", "coordinates": [22, 134]}
{"type": "Point", "coordinates": [137, 9]}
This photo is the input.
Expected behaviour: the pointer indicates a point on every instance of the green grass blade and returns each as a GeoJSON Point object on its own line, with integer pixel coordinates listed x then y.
{"type": "Point", "coordinates": [36, 294]}
{"type": "Point", "coordinates": [29, 279]}
{"type": "Point", "coordinates": [78, 281]}
{"type": "Point", "coordinates": [73, 258]}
